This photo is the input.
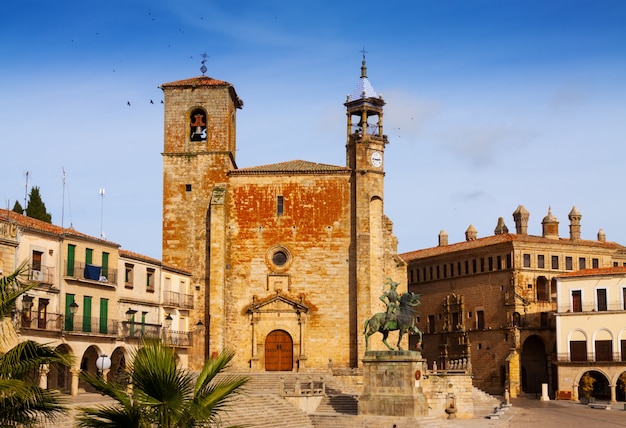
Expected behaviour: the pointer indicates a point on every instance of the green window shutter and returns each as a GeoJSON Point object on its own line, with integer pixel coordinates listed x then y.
{"type": "Point", "coordinates": [104, 315]}
{"type": "Point", "coordinates": [71, 253]}
{"type": "Point", "coordinates": [143, 322]}
{"type": "Point", "coordinates": [105, 264]}
{"type": "Point", "coordinates": [69, 318]}
{"type": "Point", "coordinates": [89, 256]}
{"type": "Point", "coordinates": [87, 313]}
{"type": "Point", "coordinates": [132, 326]}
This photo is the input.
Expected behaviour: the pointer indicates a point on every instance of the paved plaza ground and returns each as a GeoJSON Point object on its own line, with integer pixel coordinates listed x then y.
{"type": "Point", "coordinates": [530, 412]}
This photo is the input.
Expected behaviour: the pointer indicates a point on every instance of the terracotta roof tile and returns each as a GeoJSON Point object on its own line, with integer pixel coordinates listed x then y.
{"type": "Point", "coordinates": [505, 237]}
{"type": "Point", "coordinates": [196, 81]}
{"type": "Point", "coordinates": [35, 225]}
{"type": "Point", "coordinates": [596, 271]}
{"type": "Point", "coordinates": [204, 81]}
{"type": "Point", "coordinates": [292, 167]}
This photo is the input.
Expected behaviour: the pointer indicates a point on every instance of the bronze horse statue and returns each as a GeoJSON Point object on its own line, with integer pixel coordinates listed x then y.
{"type": "Point", "coordinates": [403, 321]}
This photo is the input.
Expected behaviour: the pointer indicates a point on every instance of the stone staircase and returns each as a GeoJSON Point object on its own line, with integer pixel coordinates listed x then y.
{"type": "Point", "coordinates": [483, 402]}
{"type": "Point", "coordinates": [261, 406]}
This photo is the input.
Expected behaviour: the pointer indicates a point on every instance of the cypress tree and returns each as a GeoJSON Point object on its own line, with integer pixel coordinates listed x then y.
{"type": "Point", "coordinates": [18, 208]}
{"type": "Point", "coordinates": [36, 208]}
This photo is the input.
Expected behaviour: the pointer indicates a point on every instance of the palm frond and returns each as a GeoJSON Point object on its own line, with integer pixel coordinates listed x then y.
{"type": "Point", "coordinates": [12, 287]}
{"type": "Point", "coordinates": [28, 356]}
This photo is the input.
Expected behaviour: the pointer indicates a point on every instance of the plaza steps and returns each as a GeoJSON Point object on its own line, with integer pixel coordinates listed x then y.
{"type": "Point", "coordinates": [261, 406]}
{"type": "Point", "coordinates": [484, 403]}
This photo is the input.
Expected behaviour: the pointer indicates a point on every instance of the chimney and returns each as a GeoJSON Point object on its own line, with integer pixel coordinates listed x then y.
{"type": "Point", "coordinates": [601, 236]}
{"type": "Point", "coordinates": [443, 238]}
{"type": "Point", "coordinates": [520, 216]}
{"type": "Point", "coordinates": [501, 227]}
{"type": "Point", "coordinates": [574, 224]}
{"type": "Point", "coordinates": [471, 233]}
{"type": "Point", "coordinates": [550, 226]}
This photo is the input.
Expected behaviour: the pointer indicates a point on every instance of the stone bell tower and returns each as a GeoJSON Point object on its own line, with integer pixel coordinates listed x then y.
{"type": "Point", "coordinates": [365, 153]}
{"type": "Point", "coordinates": [199, 150]}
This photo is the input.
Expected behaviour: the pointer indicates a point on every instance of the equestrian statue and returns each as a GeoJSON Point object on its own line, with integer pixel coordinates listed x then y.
{"type": "Point", "coordinates": [398, 316]}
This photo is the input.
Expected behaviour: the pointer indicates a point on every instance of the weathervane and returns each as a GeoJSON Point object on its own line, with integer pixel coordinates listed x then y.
{"type": "Point", "coordinates": [203, 68]}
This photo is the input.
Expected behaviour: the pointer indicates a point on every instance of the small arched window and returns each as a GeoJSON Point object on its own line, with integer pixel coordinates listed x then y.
{"type": "Point", "coordinates": [197, 125]}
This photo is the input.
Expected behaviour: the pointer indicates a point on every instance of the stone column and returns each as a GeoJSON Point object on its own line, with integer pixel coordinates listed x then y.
{"type": "Point", "coordinates": [74, 384]}
{"type": "Point", "coordinates": [613, 396]}
{"type": "Point", "coordinates": [43, 376]}
{"type": "Point", "coordinates": [254, 361]}
{"type": "Point", "coordinates": [302, 357]}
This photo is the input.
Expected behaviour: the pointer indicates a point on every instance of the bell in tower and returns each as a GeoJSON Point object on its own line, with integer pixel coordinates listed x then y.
{"type": "Point", "coordinates": [364, 111]}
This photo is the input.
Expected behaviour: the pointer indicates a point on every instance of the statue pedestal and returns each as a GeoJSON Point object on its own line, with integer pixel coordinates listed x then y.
{"type": "Point", "coordinates": [390, 384]}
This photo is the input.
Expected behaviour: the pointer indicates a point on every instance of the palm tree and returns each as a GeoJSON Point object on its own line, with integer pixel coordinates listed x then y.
{"type": "Point", "coordinates": [22, 401]}
{"type": "Point", "coordinates": [161, 393]}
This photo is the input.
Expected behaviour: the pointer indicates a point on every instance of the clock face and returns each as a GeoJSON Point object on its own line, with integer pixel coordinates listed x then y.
{"type": "Point", "coordinates": [376, 159]}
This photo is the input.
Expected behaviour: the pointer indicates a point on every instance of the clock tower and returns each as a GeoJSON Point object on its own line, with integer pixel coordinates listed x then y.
{"type": "Point", "coordinates": [365, 154]}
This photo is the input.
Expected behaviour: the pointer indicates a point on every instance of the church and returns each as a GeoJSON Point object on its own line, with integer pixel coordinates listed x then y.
{"type": "Point", "coordinates": [288, 260]}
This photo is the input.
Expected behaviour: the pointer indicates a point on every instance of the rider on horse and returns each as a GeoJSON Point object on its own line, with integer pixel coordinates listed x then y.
{"type": "Point", "coordinates": [392, 300]}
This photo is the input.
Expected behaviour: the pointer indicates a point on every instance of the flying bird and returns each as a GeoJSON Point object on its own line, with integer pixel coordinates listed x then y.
{"type": "Point", "coordinates": [128, 102]}
{"type": "Point", "coordinates": [151, 102]}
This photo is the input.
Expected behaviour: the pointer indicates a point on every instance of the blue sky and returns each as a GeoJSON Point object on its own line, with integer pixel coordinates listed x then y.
{"type": "Point", "coordinates": [490, 104]}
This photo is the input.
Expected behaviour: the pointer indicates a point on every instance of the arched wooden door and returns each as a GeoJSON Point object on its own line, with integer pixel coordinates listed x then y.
{"type": "Point", "coordinates": [278, 351]}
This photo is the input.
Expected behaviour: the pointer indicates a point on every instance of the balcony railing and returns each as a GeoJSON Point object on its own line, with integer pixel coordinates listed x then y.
{"type": "Point", "coordinates": [177, 338]}
{"type": "Point", "coordinates": [43, 275]}
{"type": "Point", "coordinates": [92, 273]}
{"type": "Point", "coordinates": [135, 330]}
{"type": "Point", "coordinates": [591, 307]}
{"type": "Point", "coordinates": [51, 322]}
{"type": "Point", "coordinates": [590, 357]}
{"type": "Point", "coordinates": [179, 300]}
{"type": "Point", "coordinates": [90, 326]}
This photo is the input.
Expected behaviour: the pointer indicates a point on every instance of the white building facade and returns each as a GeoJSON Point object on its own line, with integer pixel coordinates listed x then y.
{"type": "Point", "coordinates": [591, 332]}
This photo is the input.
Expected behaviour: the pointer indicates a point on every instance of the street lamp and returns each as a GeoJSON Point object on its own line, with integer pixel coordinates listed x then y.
{"type": "Point", "coordinates": [73, 308]}
{"type": "Point", "coordinates": [129, 314]}
{"type": "Point", "coordinates": [168, 321]}
{"type": "Point", "coordinates": [27, 303]}
{"type": "Point", "coordinates": [103, 363]}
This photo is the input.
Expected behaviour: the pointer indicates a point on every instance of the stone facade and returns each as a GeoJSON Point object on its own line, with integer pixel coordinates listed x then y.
{"type": "Point", "coordinates": [492, 299]}
{"type": "Point", "coordinates": [288, 259]}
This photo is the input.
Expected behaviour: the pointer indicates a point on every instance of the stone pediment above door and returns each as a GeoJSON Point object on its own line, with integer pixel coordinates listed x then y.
{"type": "Point", "coordinates": [278, 303]}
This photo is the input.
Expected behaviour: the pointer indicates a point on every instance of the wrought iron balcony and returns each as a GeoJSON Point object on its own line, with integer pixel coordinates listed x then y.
{"type": "Point", "coordinates": [50, 322]}
{"type": "Point", "coordinates": [178, 300]}
{"type": "Point", "coordinates": [589, 357]}
{"type": "Point", "coordinates": [91, 273]}
{"type": "Point", "coordinates": [42, 275]}
{"type": "Point", "coordinates": [90, 326]}
{"type": "Point", "coordinates": [180, 339]}
{"type": "Point", "coordinates": [134, 330]}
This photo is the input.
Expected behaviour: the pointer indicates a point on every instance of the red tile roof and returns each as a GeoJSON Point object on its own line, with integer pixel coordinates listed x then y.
{"type": "Point", "coordinates": [141, 257]}
{"type": "Point", "coordinates": [29, 223]}
{"type": "Point", "coordinates": [204, 81]}
{"type": "Point", "coordinates": [502, 238]}
{"type": "Point", "coordinates": [196, 81]}
{"type": "Point", "coordinates": [597, 271]}
{"type": "Point", "coordinates": [292, 167]}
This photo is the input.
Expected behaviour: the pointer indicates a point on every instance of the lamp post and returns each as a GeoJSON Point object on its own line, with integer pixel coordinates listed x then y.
{"type": "Point", "coordinates": [73, 308]}
{"type": "Point", "coordinates": [103, 363]}
{"type": "Point", "coordinates": [168, 326]}
{"type": "Point", "coordinates": [27, 304]}
{"type": "Point", "coordinates": [130, 317]}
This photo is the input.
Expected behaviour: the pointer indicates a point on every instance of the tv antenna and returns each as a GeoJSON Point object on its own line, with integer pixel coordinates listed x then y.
{"type": "Point", "coordinates": [102, 190]}
{"type": "Point", "coordinates": [25, 194]}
